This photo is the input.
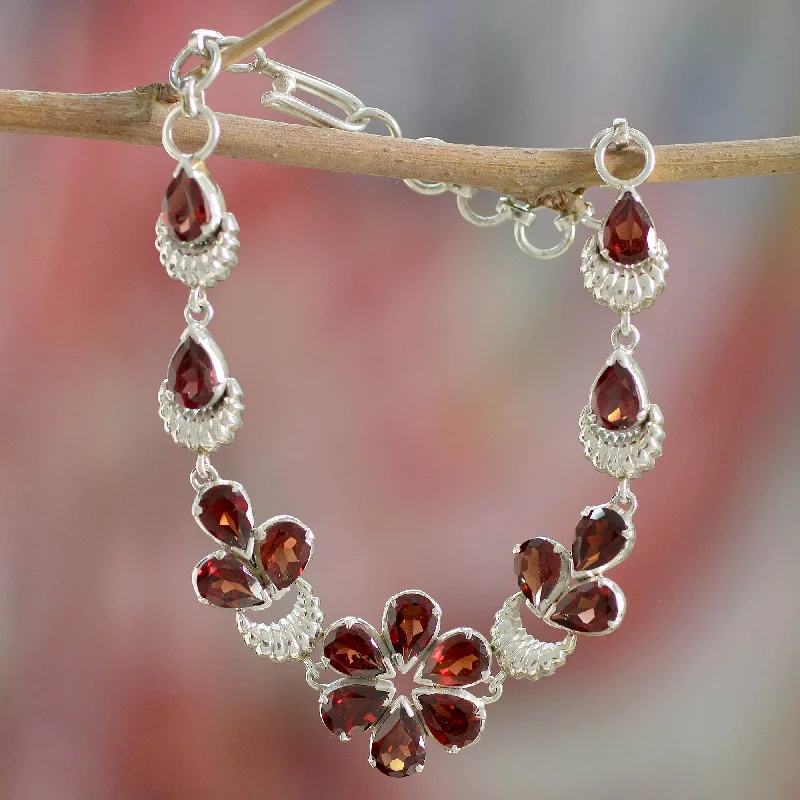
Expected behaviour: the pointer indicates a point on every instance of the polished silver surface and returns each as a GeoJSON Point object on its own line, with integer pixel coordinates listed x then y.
{"type": "Point", "coordinates": [291, 638]}
{"type": "Point", "coordinates": [204, 264]}
{"type": "Point", "coordinates": [521, 655]}
{"type": "Point", "coordinates": [202, 430]}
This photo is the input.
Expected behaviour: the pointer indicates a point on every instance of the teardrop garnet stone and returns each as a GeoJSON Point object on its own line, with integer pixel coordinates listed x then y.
{"type": "Point", "coordinates": [599, 538]}
{"type": "Point", "coordinates": [458, 660]}
{"type": "Point", "coordinates": [285, 552]}
{"type": "Point", "coordinates": [398, 748]}
{"type": "Point", "coordinates": [538, 569]}
{"type": "Point", "coordinates": [452, 720]}
{"type": "Point", "coordinates": [588, 608]}
{"type": "Point", "coordinates": [629, 234]}
{"type": "Point", "coordinates": [223, 512]}
{"type": "Point", "coordinates": [353, 650]}
{"type": "Point", "coordinates": [412, 622]}
{"type": "Point", "coordinates": [185, 208]}
{"type": "Point", "coordinates": [192, 376]}
{"type": "Point", "coordinates": [226, 582]}
{"type": "Point", "coordinates": [615, 398]}
{"type": "Point", "coordinates": [354, 707]}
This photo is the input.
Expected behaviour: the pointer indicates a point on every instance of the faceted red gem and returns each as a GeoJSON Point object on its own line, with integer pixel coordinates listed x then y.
{"type": "Point", "coordinates": [354, 707]}
{"type": "Point", "coordinates": [598, 538]}
{"type": "Point", "coordinates": [457, 660]}
{"type": "Point", "coordinates": [398, 748]}
{"type": "Point", "coordinates": [588, 608]}
{"type": "Point", "coordinates": [538, 568]}
{"type": "Point", "coordinates": [615, 399]}
{"type": "Point", "coordinates": [184, 208]}
{"type": "Point", "coordinates": [226, 582]}
{"type": "Point", "coordinates": [629, 234]}
{"type": "Point", "coordinates": [353, 651]}
{"type": "Point", "coordinates": [223, 513]}
{"type": "Point", "coordinates": [285, 552]}
{"type": "Point", "coordinates": [412, 624]}
{"type": "Point", "coordinates": [453, 721]}
{"type": "Point", "coordinates": [192, 375]}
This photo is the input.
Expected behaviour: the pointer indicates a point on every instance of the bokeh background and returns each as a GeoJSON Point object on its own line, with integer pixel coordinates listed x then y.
{"type": "Point", "coordinates": [413, 386]}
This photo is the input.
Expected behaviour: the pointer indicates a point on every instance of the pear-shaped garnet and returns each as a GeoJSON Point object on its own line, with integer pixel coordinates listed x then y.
{"type": "Point", "coordinates": [398, 746]}
{"type": "Point", "coordinates": [223, 511]}
{"type": "Point", "coordinates": [227, 583]}
{"type": "Point", "coordinates": [599, 538]}
{"type": "Point", "coordinates": [285, 552]}
{"type": "Point", "coordinates": [629, 235]}
{"type": "Point", "coordinates": [588, 608]}
{"type": "Point", "coordinates": [412, 620]}
{"type": "Point", "coordinates": [537, 565]}
{"type": "Point", "coordinates": [615, 398]}
{"type": "Point", "coordinates": [192, 375]}
{"type": "Point", "coordinates": [185, 208]}
{"type": "Point", "coordinates": [353, 707]}
{"type": "Point", "coordinates": [453, 721]}
{"type": "Point", "coordinates": [352, 650]}
{"type": "Point", "coordinates": [460, 659]}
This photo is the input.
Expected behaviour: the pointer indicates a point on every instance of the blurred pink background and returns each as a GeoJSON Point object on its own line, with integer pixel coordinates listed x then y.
{"type": "Point", "coordinates": [413, 386]}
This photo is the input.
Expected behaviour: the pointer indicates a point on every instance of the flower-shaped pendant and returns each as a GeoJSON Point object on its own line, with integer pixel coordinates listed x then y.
{"type": "Point", "coordinates": [440, 707]}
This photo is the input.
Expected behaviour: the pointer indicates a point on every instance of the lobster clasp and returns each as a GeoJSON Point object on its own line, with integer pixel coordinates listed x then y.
{"type": "Point", "coordinates": [287, 80]}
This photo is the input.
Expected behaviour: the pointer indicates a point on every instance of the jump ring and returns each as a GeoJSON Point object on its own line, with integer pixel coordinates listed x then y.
{"type": "Point", "coordinates": [628, 503]}
{"type": "Point", "coordinates": [365, 114]}
{"type": "Point", "coordinates": [211, 140]}
{"type": "Point", "coordinates": [501, 213]}
{"type": "Point", "coordinates": [204, 310]}
{"type": "Point", "coordinates": [601, 144]}
{"type": "Point", "coordinates": [212, 52]}
{"type": "Point", "coordinates": [619, 332]}
{"type": "Point", "coordinates": [566, 225]}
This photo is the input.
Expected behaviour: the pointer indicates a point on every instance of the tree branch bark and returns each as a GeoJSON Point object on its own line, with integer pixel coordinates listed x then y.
{"type": "Point", "coordinates": [538, 176]}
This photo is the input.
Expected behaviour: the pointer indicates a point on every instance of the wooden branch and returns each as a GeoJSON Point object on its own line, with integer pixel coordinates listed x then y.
{"type": "Point", "coordinates": [539, 176]}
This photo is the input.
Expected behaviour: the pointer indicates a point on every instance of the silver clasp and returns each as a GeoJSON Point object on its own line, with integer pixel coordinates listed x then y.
{"type": "Point", "coordinates": [287, 80]}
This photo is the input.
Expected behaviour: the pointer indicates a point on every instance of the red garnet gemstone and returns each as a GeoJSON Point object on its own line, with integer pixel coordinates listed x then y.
{"type": "Point", "coordinates": [192, 375]}
{"type": "Point", "coordinates": [615, 399]}
{"type": "Point", "coordinates": [538, 568]}
{"type": "Point", "coordinates": [398, 747]}
{"type": "Point", "coordinates": [598, 538]}
{"type": "Point", "coordinates": [354, 707]}
{"type": "Point", "coordinates": [453, 721]}
{"type": "Point", "coordinates": [353, 650]}
{"type": "Point", "coordinates": [223, 513]}
{"type": "Point", "coordinates": [588, 608]}
{"type": "Point", "coordinates": [185, 208]}
{"type": "Point", "coordinates": [226, 582]}
{"type": "Point", "coordinates": [458, 660]}
{"type": "Point", "coordinates": [412, 624]}
{"type": "Point", "coordinates": [629, 234]}
{"type": "Point", "coordinates": [285, 552]}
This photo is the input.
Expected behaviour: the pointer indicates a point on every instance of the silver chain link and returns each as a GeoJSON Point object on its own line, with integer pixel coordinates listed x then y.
{"type": "Point", "coordinates": [287, 81]}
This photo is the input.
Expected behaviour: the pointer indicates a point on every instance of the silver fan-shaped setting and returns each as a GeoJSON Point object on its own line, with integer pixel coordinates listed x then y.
{"type": "Point", "coordinates": [199, 265]}
{"type": "Point", "coordinates": [620, 287]}
{"type": "Point", "coordinates": [291, 638]}
{"type": "Point", "coordinates": [204, 429]}
{"type": "Point", "coordinates": [624, 453]}
{"type": "Point", "coordinates": [205, 262]}
{"type": "Point", "coordinates": [521, 655]}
